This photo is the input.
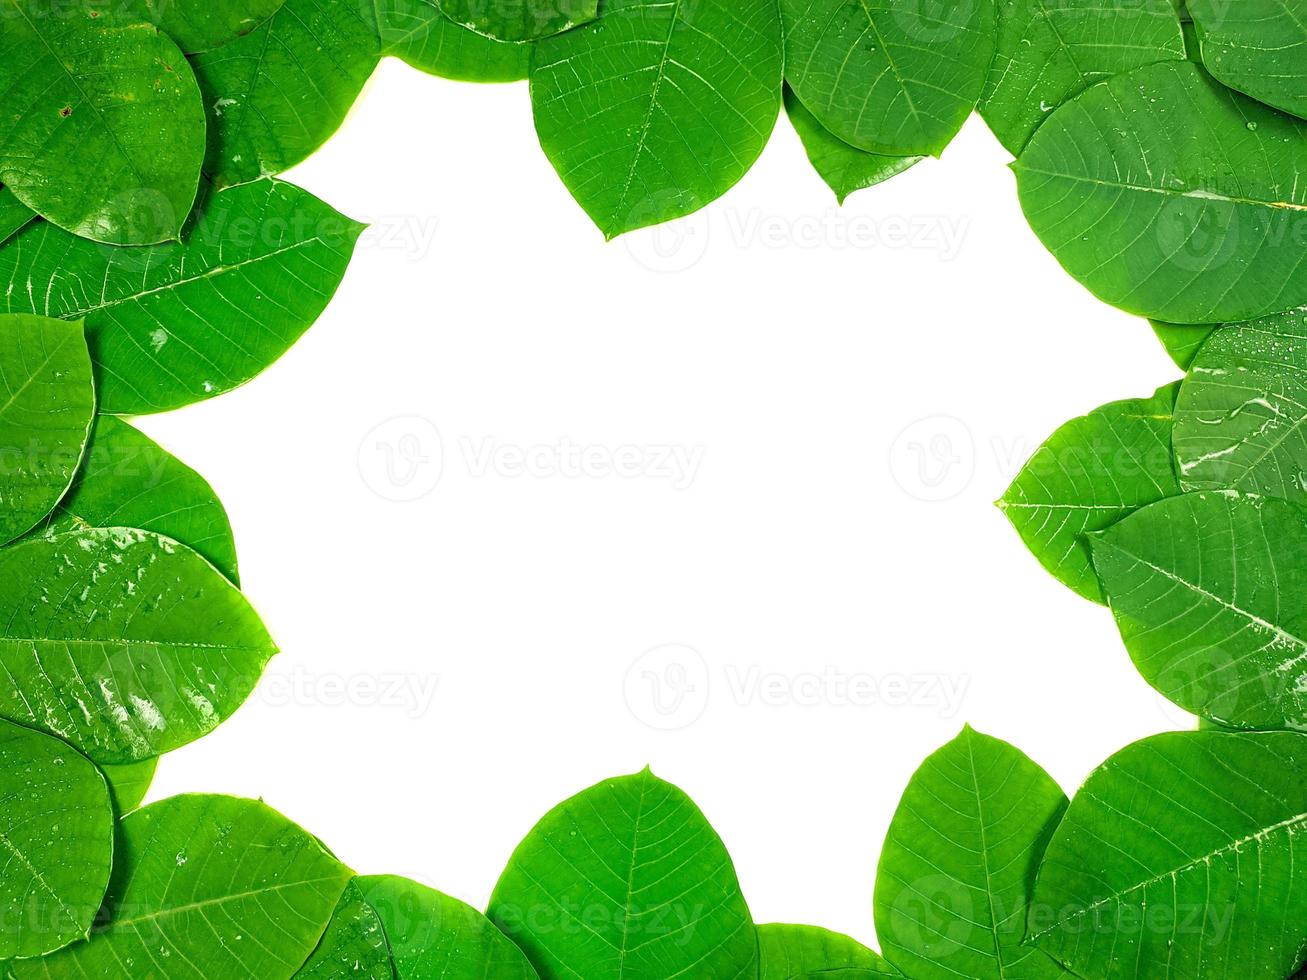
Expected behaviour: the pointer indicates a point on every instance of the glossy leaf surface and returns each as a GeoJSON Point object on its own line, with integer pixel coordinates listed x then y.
{"type": "Point", "coordinates": [417, 32]}
{"type": "Point", "coordinates": [354, 944]}
{"type": "Point", "coordinates": [14, 214]}
{"type": "Point", "coordinates": [519, 20]}
{"type": "Point", "coordinates": [129, 783]}
{"type": "Point", "coordinates": [787, 952]}
{"type": "Point", "coordinates": [200, 25]}
{"type": "Point", "coordinates": [1256, 46]}
{"type": "Point", "coordinates": [1182, 341]}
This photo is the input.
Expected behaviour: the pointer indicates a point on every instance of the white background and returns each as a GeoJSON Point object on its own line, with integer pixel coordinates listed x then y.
{"type": "Point", "coordinates": [456, 664]}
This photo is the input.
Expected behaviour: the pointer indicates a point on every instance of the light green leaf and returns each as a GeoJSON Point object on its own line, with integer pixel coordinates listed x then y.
{"type": "Point", "coordinates": [1243, 407]}
{"type": "Point", "coordinates": [199, 25]}
{"type": "Point", "coordinates": [1256, 46]}
{"type": "Point", "coordinates": [128, 480]}
{"type": "Point", "coordinates": [1051, 52]}
{"type": "Point", "coordinates": [14, 214]}
{"type": "Point", "coordinates": [658, 108]}
{"type": "Point", "coordinates": [634, 861]}
{"type": "Point", "coordinates": [1172, 197]}
{"type": "Point", "coordinates": [788, 952]}
{"type": "Point", "coordinates": [110, 134]}
{"type": "Point", "coordinates": [354, 944]}
{"type": "Point", "coordinates": [277, 94]}
{"type": "Point", "coordinates": [954, 885]}
{"type": "Point", "coordinates": [519, 20]}
{"type": "Point", "coordinates": [415, 31]}
{"type": "Point", "coordinates": [1182, 857]}
{"type": "Point", "coordinates": [129, 783]}
{"type": "Point", "coordinates": [207, 888]}
{"type": "Point", "coordinates": [886, 76]}
{"type": "Point", "coordinates": [47, 404]}
{"type": "Point", "coordinates": [56, 842]}
{"type": "Point", "coordinates": [435, 937]}
{"type": "Point", "coordinates": [844, 168]}
{"type": "Point", "coordinates": [1182, 341]}
{"type": "Point", "coordinates": [174, 324]}
{"type": "Point", "coordinates": [1091, 473]}
{"type": "Point", "coordinates": [123, 642]}
{"type": "Point", "coordinates": [1207, 591]}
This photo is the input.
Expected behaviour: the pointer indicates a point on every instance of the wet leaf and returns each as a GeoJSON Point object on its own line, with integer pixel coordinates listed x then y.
{"type": "Point", "coordinates": [417, 32]}
{"type": "Point", "coordinates": [799, 952]}
{"type": "Point", "coordinates": [519, 20]}
{"type": "Point", "coordinates": [200, 25]}
{"type": "Point", "coordinates": [354, 944]}
{"type": "Point", "coordinates": [1256, 46]}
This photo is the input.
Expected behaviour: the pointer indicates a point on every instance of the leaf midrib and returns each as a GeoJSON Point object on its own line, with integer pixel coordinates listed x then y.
{"type": "Point", "coordinates": [1205, 195]}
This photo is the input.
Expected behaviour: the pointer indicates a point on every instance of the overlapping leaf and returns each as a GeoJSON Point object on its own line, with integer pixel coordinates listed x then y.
{"type": "Point", "coordinates": [177, 323]}
{"type": "Point", "coordinates": [657, 108]}
{"type": "Point", "coordinates": [124, 643]}
{"type": "Point", "coordinates": [207, 888]}
{"type": "Point", "coordinates": [417, 32]}
{"type": "Point", "coordinates": [47, 404]}
{"type": "Point", "coordinates": [1091, 473]}
{"type": "Point", "coordinates": [129, 783]}
{"type": "Point", "coordinates": [887, 76]}
{"type": "Point", "coordinates": [1182, 857]}
{"type": "Point", "coordinates": [354, 944]}
{"type": "Point", "coordinates": [14, 214]}
{"type": "Point", "coordinates": [638, 859]}
{"type": "Point", "coordinates": [519, 20]}
{"type": "Point", "coordinates": [1256, 46]}
{"type": "Point", "coordinates": [1173, 197]}
{"type": "Point", "coordinates": [199, 25]}
{"type": "Point", "coordinates": [1207, 591]}
{"type": "Point", "coordinates": [788, 952]}
{"type": "Point", "coordinates": [103, 128]}
{"type": "Point", "coordinates": [1182, 341]}
{"type": "Point", "coordinates": [56, 842]}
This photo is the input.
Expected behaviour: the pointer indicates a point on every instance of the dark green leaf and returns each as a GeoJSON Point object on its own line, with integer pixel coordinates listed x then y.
{"type": "Point", "coordinates": [1181, 341]}
{"type": "Point", "coordinates": [178, 323]}
{"type": "Point", "coordinates": [797, 952]}
{"type": "Point", "coordinates": [108, 135]}
{"type": "Point", "coordinates": [14, 214]}
{"type": "Point", "coordinates": [1256, 46]}
{"type": "Point", "coordinates": [954, 885]}
{"type": "Point", "coordinates": [276, 94]}
{"type": "Point", "coordinates": [1051, 52]}
{"type": "Point", "coordinates": [122, 642]}
{"type": "Point", "coordinates": [890, 77]}
{"type": "Point", "coordinates": [657, 108]}
{"type": "Point", "coordinates": [1091, 473]}
{"type": "Point", "coordinates": [844, 168]}
{"type": "Point", "coordinates": [519, 20]}
{"type": "Point", "coordinates": [1182, 857]}
{"type": "Point", "coordinates": [435, 937]}
{"type": "Point", "coordinates": [56, 842]}
{"type": "Point", "coordinates": [47, 404]}
{"type": "Point", "coordinates": [635, 861]}
{"type": "Point", "coordinates": [200, 25]}
{"type": "Point", "coordinates": [207, 888]}
{"type": "Point", "coordinates": [416, 32]}
{"type": "Point", "coordinates": [129, 783]}
{"type": "Point", "coordinates": [1172, 197]}
{"type": "Point", "coordinates": [354, 944]}
{"type": "Point", "coordinates": [1207, 590]}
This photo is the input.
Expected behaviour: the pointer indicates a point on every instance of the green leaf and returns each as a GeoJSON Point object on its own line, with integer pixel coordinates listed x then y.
{"type": "Point", "coordinates": [1172, 197]}
{"type": "Point", "coordinates": [277, 94]}
{"type": "Point", "coordinates": [56, 841]}
{"type": "Point", "coordinates": [635, 862]}
{"type": "Point", "coordinates": [788, 952]}
{"type": "Point", "coordinates": [110, 136]}
{"type": "Point", "coordinates": [14, 214]}
{"type": "Point", "coordinates": [1051, 52]}
{"type": "Point", "coordinates": [1182, 341]}
{"type": "Point", "coordinates": [1256, 46]}
{"type": "Point", "coordinates": [519, 20]}
{"type": "Point", "coordinates": [890, 77]}
{"type": "Point", "coordinates": [200, 25]}
{"type": "Point", "coordinates": [1182, 857]}
{"type": "Point", "coordinates": [207, 888]}
{"type": "Point", "coordinates": [658, 108]}
{"type": "Point", "coordinates": [415, 31]}
{"type": "Point", "coordinates": [174, 324]}
{"type": "Point", "coordinates": [954, 885]}
{"type": "Point", "coordinates": [1091, 473]}
{"type": "Point", "coordinates": [123, 642]}
{"type": "Point", "coordinates": [1206, 589]}
{"type": "Point", "coordinates": [47, 404]}
{"type": "Point", "coordinates": [129, 783]}
{"type": "Point", "coordinates": [435, 937]}
{"type": "Point", "coordinates": [1242, 409]}
{"type": "Point", "coordinates": [354, 944]}
{"type": "Point", "coordinates": [844, 168]}
{"type": "Point", "coordinates": [128, 480]}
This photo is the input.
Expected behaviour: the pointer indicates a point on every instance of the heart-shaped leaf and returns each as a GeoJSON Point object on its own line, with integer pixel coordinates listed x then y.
{"type": "Point", "coordinates": [417, 32]}
{"type": "Point", "coordinates": [207, 888]}
{"type": "Point", "coordinates": [638, 863]}
{"type": "Point", "coordinates": [1182, 341]}
{"type": "Point", "coordinates": [14, 214]}
{"type": "Point", "coordinates": [658, 108]}
{"type": "Point", "coordinates": [788, 952]}
{"type": "Point", "coordinates": [432, 935]}
{"type": "Point", "coordinates": [56, 842]}
{"type": "Point", "coordinates": [519, 20]}
{"type": "Point", "coordinates": [1256, 46]}
{"type": "Point", "coordinates": [954, 886]}
{"type": "Point", "coordinates": [129, 783]}
{"type": "Point", "coordinates": [887, 76]}
{"type": "Point", "coordinates": [1051, 52]}
{"type": "Point", "coordinates": [1173, 197]}
{"type": "Point", "coordinates": [47, 405]}
{"type": "Point", "coordinates": [199, 25]}
{"type": "Point", "coordinates": [124, 643]}
{"type": "Point", "coordinates": [174, 324]}
{"type": "Point", "coordinates": [109, 134]}
{"type": "Point", "coordinates": [1091, 473]}
{"type": "Point", "coordinates": [354, 944]}
{"type": "Point", "coordinates": [1182, 857]}
{"type": "Point", "coordinates": [1206, 589]}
